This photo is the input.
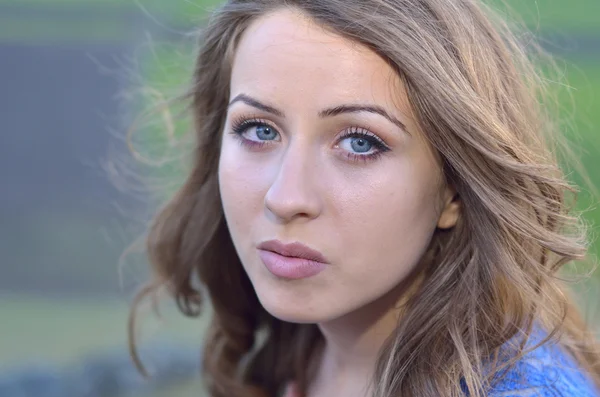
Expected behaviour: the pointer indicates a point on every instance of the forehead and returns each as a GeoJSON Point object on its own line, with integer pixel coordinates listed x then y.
{"type": "Point", "coordinates": [290, 58]}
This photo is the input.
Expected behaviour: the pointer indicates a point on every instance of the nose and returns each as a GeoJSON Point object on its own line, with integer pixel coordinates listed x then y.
{"type": "Point", "coordinates": [294, 191]}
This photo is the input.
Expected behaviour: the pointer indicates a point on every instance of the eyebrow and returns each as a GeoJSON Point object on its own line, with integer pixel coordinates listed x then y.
{"type": "Point", "coordinates": [330, 112]}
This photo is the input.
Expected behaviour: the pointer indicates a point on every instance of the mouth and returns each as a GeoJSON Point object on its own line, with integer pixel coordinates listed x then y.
{"type": "Point", "coordinates": [291, 261]}
{"type": "Point", "coordinates": [295, 250]}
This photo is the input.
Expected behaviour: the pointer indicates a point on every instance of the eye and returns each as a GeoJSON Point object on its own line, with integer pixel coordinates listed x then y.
{"type": "Point", "coordinates": [360, 144]}
{"type": "Point", "coordinates": [254, 132]}
{"type": "Point", "coordinates": [357, 144]}
{"type": "Point", "coordinates": [260, 132]}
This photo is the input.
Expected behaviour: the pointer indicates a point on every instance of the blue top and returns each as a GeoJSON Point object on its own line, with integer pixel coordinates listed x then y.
{"type": "Point", "coordinates": [547, 371]}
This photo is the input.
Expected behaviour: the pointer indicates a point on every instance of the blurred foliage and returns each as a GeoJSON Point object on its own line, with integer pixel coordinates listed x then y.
{"type": "Point", "coordinates": [577, 16]}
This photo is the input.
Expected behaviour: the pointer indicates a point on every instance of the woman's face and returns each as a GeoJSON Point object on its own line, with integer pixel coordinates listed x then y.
{"type": "Point", "coordinates": [319, 148]}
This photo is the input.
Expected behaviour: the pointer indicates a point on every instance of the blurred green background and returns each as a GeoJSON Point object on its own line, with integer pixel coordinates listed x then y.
{"type": "Point", "coordinates": [71, 203]}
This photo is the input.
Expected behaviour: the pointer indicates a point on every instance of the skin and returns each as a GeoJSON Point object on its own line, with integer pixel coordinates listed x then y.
{"type": "Point", "coordinates": [372, 218]}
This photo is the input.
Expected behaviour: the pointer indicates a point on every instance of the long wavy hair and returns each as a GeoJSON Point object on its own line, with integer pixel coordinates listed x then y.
{"type": "Point", "coordinates": [481, 102]}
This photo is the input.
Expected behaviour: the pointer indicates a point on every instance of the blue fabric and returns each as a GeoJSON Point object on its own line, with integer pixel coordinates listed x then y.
{"type": "Point", "coordinates": [547, 371]}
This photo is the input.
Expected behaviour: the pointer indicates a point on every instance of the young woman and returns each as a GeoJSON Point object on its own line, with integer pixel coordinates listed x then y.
{"type": "Point", "coordinates": [374, 208]}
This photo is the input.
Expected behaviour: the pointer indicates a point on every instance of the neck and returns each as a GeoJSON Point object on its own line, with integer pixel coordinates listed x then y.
{"type": "Point", "coordinates": [353, 343]}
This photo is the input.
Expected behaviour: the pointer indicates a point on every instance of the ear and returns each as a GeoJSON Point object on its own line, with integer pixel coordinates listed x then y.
{"type": "Point", "coordinates": [451, 210]}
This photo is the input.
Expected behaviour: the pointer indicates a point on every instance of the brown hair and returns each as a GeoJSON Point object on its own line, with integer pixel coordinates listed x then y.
{"type": "Point", "coordinates": [481, 103]}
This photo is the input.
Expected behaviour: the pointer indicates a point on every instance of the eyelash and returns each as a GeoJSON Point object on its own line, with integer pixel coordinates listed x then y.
{"type": "Point", "coordinates": [239, 126]}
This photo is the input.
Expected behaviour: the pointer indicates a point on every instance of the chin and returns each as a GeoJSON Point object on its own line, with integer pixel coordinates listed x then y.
{"type": "Point", "coordinates": [292, 309]}
{"type": "Point", "coordinates": [294, 315]}
{"type": "Point", "coordinates": [299, 301]}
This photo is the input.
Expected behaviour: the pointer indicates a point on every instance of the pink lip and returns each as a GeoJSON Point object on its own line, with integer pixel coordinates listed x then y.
{"type": "Point", "coordinates": [291, 261]}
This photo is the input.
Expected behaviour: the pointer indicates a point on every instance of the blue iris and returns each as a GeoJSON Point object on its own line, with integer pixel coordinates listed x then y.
{"type": "Point", "coordinates": [361, 145]}
{"type": "Point", "coordinates": [266, 133]}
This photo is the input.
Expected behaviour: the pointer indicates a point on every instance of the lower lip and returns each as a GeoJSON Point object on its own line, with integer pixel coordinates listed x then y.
{"type": "Point", "coordinates": [290, 267]}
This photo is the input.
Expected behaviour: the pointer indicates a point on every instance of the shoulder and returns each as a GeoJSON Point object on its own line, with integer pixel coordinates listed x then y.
{"type": "Point", "coordinates": [547, 371]}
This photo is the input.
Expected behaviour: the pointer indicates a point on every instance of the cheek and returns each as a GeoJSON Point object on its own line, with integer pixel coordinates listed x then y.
{"type": "Point", "coordinates": [239, 187]}
{"type": "Point", "coordinates": [389, 226]}
{"type": "Point", "coordinates": [236, 182]}
{"type": "Point", "coordinates": [241, 170]}
{"type": "Point", "coordinates": [241, 197]}
{"type": "Point", "coordinates": [243, 184]}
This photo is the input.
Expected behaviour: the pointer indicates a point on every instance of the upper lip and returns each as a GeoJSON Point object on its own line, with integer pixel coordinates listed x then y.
{"type": "Point", "coordinates": [296, 249]}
